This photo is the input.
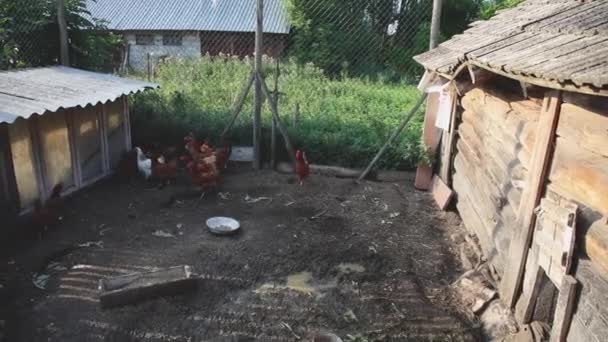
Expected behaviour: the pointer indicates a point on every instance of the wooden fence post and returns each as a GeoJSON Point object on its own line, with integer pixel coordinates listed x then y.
{"type": "Point", "coordinates": [257, 119]}
{"type": "Point", "coordinates": [63, 33]}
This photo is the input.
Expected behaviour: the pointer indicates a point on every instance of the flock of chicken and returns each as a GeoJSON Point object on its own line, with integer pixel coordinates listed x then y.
{"type": "Point", "coordinates": [203, 163]}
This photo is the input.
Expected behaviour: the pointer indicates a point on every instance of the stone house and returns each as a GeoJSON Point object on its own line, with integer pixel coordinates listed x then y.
{"type": "Point", "coordinates": [157, 29]}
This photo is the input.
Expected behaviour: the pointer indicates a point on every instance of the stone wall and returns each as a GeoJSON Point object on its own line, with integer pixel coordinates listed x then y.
{"type": "Point", "coordinates": [138, 54]}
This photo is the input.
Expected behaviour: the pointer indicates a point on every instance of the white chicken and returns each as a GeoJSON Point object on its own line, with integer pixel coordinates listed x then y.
{"type": "Point", "coordinates": [144, 164]}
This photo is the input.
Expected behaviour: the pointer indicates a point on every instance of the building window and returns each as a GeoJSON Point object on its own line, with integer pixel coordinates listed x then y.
{"type": "Point", "coordinates": [144, 39]}
{"type": "Point", "coordinates": [172, 39]}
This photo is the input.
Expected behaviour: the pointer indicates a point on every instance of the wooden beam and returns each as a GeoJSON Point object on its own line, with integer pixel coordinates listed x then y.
{"type": "Point", "coordinates": [539, 167]}
{"type": "Point", "coordinates": [436, 23]}
{"type": "Point", "coordinates": [596, 244]}
{"type": "Point", "coordinates": [257, 118]}
{"type": "Point", "coordinates": [63, 34]}
{"type": "Point", "coordinates": [238, 106]}
{"type": "Point", "coordinates": [393, 137]}
{"type": "Point", "coordinates": [564, 309]}
{"type": "Point", "coordinates": [275, 113]}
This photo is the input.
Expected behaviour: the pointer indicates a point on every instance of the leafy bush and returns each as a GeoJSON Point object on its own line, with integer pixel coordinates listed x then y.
{"type": "Point", "coordinates": [340, 122]}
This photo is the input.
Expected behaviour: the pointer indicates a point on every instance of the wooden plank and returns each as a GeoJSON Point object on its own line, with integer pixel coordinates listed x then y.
{"type": "Point", "coordinates": [431, 137]}
{"type": "Point", "coordinates": [582, 174]}
{"type": "Point", "coordinates": [442, 193]}
{"type": "Point", "coordinates": [132, 288]}
{"type": "Point", "coordinates": [564, 310]}
{"type": "Point", "coordinates": [448, 139]}
{"type": "Point", "coordinates": [518, 250]}
{"type": "Point", "coordinates": [531, 286]}
{"type": "Point", "coordinates": [596, 244]}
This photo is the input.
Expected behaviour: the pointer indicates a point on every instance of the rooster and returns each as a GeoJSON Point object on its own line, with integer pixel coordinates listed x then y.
{"type": "Point", "coordinates": [302, 166]}
{"type": "Point", "coordinates": [48, 215]}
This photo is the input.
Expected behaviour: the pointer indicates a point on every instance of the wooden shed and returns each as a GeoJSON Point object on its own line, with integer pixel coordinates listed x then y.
{"type": "Point", "coordinates": [59, 125]}
{"type": "Point", "coordinates": [524, 146]}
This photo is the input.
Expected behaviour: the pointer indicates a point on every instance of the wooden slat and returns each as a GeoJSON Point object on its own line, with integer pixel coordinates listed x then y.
{"type": "Point", "coordinates": [564, 309]}
{"type": "Point", "coordinates": [431, 137]}
{"type": "Point", "coordinates": [518, 250]}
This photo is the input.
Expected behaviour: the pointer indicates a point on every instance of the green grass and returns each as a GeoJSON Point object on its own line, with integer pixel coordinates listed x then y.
{"type": "Point", "coordinates": [341, 122]}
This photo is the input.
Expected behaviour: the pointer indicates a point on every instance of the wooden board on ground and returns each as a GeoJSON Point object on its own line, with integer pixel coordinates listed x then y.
{"type": "Point", "coordinates": [135, 287]}
{"type": "Point", "coordinates": [518, 250]}
{"type": "Point", "coordinates": [564, 310]}
{"type": "Point", "coordinates": [442, 193]}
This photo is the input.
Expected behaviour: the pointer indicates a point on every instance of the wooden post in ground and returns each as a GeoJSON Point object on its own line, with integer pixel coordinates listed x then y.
{"type": "Point", "coordinates": [436, 23]}
{"type": "Point", "coordinates": [273, 132]}
{"type": "Point", "coordinates": [275, 113]}
{"type": "Point", "coordinates": [63, 34]}
{"type": "Point", "coordinates": [257, 119]}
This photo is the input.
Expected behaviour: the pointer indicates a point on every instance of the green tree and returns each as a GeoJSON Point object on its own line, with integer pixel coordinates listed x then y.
{"type": "Point", "coordinates": [29, 35]}
{"type": "Point", "coordinates": [490, 7]}
{"type": "Point", "coordinates": [370, 37]}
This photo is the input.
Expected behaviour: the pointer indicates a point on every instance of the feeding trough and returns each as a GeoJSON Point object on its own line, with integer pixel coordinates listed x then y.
{"type": "Point", "coordinates": [223, 225]}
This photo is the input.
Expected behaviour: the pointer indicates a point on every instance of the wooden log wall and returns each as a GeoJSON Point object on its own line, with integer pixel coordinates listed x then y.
{"type": "Point", "coordinates": [495, 142]}
{"type": "Point", "coordinates": [579, 173]}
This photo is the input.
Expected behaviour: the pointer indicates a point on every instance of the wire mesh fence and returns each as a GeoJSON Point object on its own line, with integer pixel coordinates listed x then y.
{"type": "Point", "coordinates": [342, 70]}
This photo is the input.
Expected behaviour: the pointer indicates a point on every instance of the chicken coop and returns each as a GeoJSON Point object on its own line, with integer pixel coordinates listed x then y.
{"type": "Point", "coordinates": [522, 105]}
{"type": "Point", "coordinates": [60, 125]}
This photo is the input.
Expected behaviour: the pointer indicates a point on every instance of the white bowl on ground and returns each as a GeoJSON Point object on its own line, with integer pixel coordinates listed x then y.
{"type": "Point", "coordinates": [223, 225]}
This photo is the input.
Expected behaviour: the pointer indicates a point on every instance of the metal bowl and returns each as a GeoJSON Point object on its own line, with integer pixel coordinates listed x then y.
{"type": "Point", "coordinates": [223, 225]}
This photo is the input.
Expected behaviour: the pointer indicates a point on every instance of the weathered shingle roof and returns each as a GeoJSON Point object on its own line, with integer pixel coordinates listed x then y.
{"type": "Point", "coordinates": [36, 91]}
{"type": "Point", "coordinates": [563, 41]}
{"type": "Point", "coordinates": [189, 15]}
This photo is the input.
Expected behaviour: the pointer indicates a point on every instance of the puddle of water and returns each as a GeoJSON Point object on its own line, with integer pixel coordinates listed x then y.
{"type": "Point", "coordinates": [300, 282]}
{"type": "Point", "coordinates": [349, 267]}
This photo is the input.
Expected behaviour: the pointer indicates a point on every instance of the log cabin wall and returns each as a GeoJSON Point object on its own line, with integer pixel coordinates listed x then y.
{"type": "Point", "coordinates": [579, 173]}
{"type": "Point", "coordinates": [494, 146]}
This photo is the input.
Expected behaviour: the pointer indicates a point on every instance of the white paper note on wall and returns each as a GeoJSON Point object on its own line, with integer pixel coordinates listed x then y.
{"type": "Point", "coordinates": [444, 110]}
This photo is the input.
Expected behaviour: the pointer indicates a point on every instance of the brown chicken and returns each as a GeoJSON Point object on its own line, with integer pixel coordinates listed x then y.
{"type": "Point", "coordinates": [302, 166]}
{"type": "Point", "coordinates": [164, 172]}
{"type": "Point", "coordinates": [49, 214]}
{"type": "Point", "coordinates": [202, 164]}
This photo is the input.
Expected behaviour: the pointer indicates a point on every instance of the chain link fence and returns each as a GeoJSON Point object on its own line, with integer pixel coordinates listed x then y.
{"type": "Point", "coordinates": [342, 70]}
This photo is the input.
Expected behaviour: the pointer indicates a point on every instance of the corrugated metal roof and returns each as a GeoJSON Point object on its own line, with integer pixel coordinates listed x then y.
{"type": "Point", "coordinates": [189, 15]}
{"type": "Point", "coordinates": [36, 91]}
{"type": "Point", "coordinates": [564, 41]}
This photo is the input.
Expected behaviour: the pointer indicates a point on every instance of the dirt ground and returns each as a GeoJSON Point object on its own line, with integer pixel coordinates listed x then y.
{"type": "Point", "coordinates": [366, 261]}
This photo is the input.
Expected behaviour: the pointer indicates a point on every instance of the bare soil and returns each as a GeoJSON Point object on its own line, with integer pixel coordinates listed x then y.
{"type": "Point", "coordinates": [365, 260]}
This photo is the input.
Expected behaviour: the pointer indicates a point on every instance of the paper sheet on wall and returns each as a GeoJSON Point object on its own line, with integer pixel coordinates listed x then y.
{"type": "Point", "coordinates": [446, 104]}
